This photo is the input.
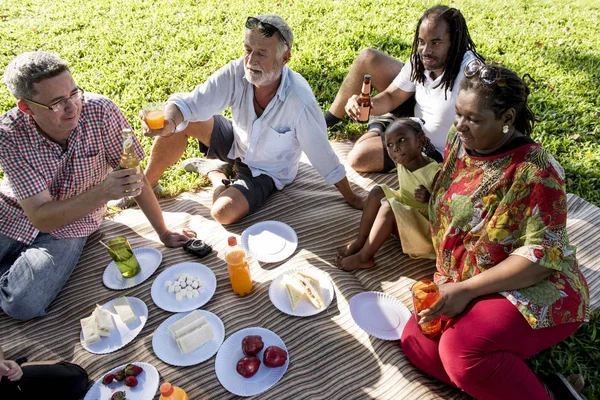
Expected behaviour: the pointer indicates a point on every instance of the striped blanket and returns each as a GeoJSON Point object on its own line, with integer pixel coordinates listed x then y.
{"type": "Point", "coordinates": [330, 356]}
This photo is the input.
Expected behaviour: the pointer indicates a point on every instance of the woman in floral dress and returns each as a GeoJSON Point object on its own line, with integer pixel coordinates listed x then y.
{"type": "Point", "coordinates": [509, 280]}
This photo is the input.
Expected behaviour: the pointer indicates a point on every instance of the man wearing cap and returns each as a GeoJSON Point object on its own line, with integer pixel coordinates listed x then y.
{"type": "Point", "coordinates": [275, 118]}
{"type": "Point", "coordinates": [59, 150]}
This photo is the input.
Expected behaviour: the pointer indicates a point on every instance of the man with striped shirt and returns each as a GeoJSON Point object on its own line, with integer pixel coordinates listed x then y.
{"type": "Point", "coordinates": [59, 151]}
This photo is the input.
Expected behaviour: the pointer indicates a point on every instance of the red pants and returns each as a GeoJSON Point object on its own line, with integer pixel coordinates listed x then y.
{"type": "Point", "coordinates": [482, 351]}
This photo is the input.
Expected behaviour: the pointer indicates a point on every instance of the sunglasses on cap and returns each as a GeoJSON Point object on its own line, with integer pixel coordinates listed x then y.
{"type": "Point", "coordinates": [488, 74]}
{"type": "Point", "coordinates": [266, 28]}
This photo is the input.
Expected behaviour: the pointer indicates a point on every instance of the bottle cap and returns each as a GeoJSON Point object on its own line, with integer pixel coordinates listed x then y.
{"type": "Point", "coordinates": [368, 76]}
{"type": "Point", "coordinates": [232, 240]}
{"type": "Point", "coordinates": [166, 389]}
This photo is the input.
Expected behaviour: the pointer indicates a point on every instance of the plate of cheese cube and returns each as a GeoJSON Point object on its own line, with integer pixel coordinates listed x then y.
{"type": "Point", "coordinates": [190, 338]}
{"type": "Point", "coordinates": [184, 287]}
{"type": "Point", "coordinates": [113, 325]}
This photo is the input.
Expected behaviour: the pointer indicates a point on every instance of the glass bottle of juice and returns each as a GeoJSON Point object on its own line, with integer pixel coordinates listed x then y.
{"type": "Point", "coordinates": [170, 392]}
{"type": "Point", "coordinates": [128, 157]}
{"type": "Point", "coordinates": [238, 268]}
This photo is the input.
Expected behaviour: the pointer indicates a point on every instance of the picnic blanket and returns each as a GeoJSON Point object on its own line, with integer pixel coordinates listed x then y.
{"type": "Point", "coordinates": [330, 356]}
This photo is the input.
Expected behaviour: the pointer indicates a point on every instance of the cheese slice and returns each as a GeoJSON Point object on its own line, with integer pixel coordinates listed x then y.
{"type": "Point", "coordinates": [90, 333]}
{"type": "Point", "coordinates": [124, 310]}
{"type": "Point", "coordinates": [190, 327]}
{"type": "Point", "coordinates": [294, 288]}
{"type": "Point", "coordinates": [104, 322]}
{"type": "Point", "coordinates": [188, 319]}
{"type": "Point", "coordinates": [195, 338]}
{"type": "Point", "coordinates": [313, 292]}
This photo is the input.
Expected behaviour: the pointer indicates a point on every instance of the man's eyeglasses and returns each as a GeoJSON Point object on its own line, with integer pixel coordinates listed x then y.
{"type": "Point", "coordinates": [489, 74]}
{"type": "Point", "coordinates": [60, 104]}
{"type": "Point", "coordinates": [266, 28]}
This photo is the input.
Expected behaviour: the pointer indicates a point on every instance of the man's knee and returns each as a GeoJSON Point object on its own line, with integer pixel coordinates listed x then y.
{"type": "Point", "coordinates": [225, 212]}
{"type": "Point", "coordinates": [23, 309]}
{"type": "Point", "coordinates": [367, 57]}
{"type": "Point", "coordinates": [359, 159]}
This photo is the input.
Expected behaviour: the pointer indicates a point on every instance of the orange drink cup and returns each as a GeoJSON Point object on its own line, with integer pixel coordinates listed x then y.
{"type": "Point", "coordinates": [238, 268]}
{"type": "Point", "coordinates": [425, 293]}
{"type": "Point", "coordinates": [154, 115]}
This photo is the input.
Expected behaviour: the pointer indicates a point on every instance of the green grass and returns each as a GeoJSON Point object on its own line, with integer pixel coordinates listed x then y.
{"type": "Point", "coordinates": [140, 50]}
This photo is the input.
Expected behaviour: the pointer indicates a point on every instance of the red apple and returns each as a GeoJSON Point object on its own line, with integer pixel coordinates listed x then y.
{"type": "Point", "coordinates": [247, 366]}
{"type": "Point", "coordinates": [274, 357]}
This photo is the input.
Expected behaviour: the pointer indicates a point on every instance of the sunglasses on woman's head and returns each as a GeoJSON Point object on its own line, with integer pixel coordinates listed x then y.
{"type": "Point", "coordinates": [266, 28]}
{"type": "Point", "coordinates": [488, 74]}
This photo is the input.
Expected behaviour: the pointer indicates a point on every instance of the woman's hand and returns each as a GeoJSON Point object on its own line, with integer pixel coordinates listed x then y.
{"type": "Point", "coordinates": [422, 195]}
{"type": "Point", "coordinates": [454, 298]}
{"type": "Point", "coordinates": [11, 370]}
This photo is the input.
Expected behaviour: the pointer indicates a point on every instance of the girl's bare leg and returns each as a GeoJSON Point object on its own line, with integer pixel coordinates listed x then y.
{"type": "Point", "coordinates": [369, 214]}
{"type": "Point", "coordinates": [382, 228]}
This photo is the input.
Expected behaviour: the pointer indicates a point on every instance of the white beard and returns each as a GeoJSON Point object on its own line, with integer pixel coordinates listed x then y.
{"type": "Point", "coordinates": [265, 78]}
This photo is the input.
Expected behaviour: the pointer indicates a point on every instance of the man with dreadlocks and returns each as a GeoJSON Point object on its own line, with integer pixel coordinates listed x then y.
{"type": "Point", "coordinates": [425, 87]}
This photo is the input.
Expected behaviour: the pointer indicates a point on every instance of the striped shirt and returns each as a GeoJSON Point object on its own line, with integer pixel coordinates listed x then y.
{"type": "Point", "coordinates": [32, 164]}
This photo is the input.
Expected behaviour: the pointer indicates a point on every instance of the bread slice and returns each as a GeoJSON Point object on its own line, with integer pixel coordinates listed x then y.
{"type": "Point", "coordinates": [313, 290]}
{"type": "Point", "coordinates": [294, 288]}
{"type": "Point", "coordinates": [188, 319]}
{"type": "Point", "coordinates": [196, 324]}
{"type": "Point", "coordinates": [195, 338]}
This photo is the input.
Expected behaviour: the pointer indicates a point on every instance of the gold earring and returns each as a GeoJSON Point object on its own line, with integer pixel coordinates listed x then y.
{"type": "Point", "coordinates": [505, 129]}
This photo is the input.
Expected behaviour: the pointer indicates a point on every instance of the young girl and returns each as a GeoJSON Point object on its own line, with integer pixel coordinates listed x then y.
{"type": "Point", "coordinates": [404, 209]}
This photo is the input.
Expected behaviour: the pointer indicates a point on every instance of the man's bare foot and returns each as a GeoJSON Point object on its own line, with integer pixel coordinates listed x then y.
{"type": "Point", "coordinates": [354, 262]}
{"type": "Point", "coordinates": [349, 249]}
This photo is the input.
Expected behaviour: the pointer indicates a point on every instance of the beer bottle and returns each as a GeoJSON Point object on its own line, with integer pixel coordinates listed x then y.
{"type": "Point", "coordinates": [128, 157]}
{"type": "Point", "coordinates": [364, 100]}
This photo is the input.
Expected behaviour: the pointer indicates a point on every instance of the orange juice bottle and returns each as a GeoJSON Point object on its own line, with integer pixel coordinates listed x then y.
{"type": "Point", "coordinates": [238, 268]}
{"type": "Point", "coordinates": [170, 392]}
{"type": "Point", "coordinates": [128, 157]}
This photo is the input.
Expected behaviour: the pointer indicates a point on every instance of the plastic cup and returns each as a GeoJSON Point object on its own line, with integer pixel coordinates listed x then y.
{"type": "Point", "coordinates": [154, 115]}
{"type": "Point", "coordinates": [424, 294]}
{"type": "Point", "coordinates": [122, 254]}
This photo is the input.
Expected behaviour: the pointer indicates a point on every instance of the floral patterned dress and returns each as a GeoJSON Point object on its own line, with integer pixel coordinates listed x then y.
{"type": "Point", "coordinates": [484, 209]}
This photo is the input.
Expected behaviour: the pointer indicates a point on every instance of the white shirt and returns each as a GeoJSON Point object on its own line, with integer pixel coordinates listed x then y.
{"type": "Point", "coordinates": [271, 144]}
{"type": "Point", "coordinates": [431, 103]}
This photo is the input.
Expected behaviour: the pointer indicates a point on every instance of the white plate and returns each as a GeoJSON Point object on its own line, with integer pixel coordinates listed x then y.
{"type": "Point", "coordinates": [269, 241]}
{"type": "Point", "coordinates": [230, 353]}
{"type": "Point", "coordinates": [121, 333]}
{"type": "Point", "coordinates": [280, 299]}
{"type": "Point", "coordinates": [379, 314]}
{"type": "Point", "coordinates": [167, 301]}
{"type": "Point", "coordinates": [146, 389]}
{"type": "Point", "coordinates": [149, 260]}
{"type": "Point", "coordinates": [166, 348]}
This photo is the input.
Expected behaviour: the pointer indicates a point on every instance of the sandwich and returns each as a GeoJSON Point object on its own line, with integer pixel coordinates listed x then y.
{"type": "Point", "coordinates": [295, 290]}
{"type": "Point", "coordinates": [312, 287]}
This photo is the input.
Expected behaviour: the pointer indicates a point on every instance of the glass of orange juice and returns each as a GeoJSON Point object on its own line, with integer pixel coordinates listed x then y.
{"type": "Point", "coordinates": [154, 115]}
{"type": "Point", "coordinates": [425, 293]}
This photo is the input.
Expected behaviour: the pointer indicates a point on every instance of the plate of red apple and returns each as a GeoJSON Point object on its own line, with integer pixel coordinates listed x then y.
{"type": "Point", "coordinates": [251, 361]}
{"type": "Point", "coordinates": [134, 381]}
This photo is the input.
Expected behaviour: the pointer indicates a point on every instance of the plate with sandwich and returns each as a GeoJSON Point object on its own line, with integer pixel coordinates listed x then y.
{"type": "Point", "coordinates": [113, 325]}
{"type": "Point", "coordinates": [190, 338]}
{"type": "Point", "coordinates": [302, 292]}
{"type": "Point", "coordinates": [269, 241]}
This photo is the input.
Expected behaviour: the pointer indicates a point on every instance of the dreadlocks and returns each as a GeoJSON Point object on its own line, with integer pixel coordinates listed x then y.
{"type": "Point", "coordinates": [460, 43]}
